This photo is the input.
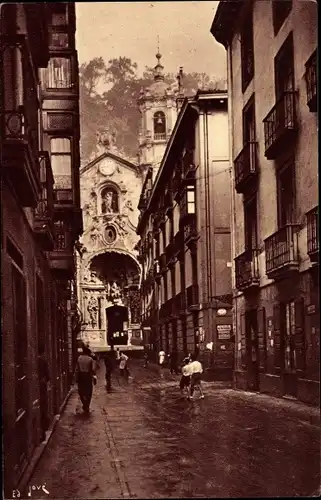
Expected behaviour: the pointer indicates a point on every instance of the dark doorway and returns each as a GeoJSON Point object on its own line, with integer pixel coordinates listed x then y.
{"type": "Point", "coordinates": [252, 348]}
{"type": "Point", "coordinates": [117, 319]}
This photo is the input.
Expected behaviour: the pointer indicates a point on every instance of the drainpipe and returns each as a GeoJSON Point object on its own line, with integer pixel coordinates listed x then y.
{"type": "Point", "coordinates": [233, 213]}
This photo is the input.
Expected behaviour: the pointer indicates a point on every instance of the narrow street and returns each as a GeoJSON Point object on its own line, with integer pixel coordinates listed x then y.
{"type": "Point", "coordinates": [144, 440]}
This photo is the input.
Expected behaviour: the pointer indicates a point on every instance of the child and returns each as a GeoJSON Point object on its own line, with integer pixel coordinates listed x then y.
{"type": "Point", "coordinates": [186, 376]}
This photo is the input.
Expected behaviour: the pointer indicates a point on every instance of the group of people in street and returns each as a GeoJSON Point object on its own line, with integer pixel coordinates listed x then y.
{"type": "Point", "coordinates": [191, 371]}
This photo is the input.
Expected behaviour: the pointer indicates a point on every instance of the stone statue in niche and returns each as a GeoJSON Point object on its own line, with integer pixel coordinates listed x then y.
{"type": "Point", "coordinates": [114, 291]}
{"type": "Point", "coordinates": [95, 234]}
{"type": "Point", "coordinates": [109, 203]}
{"type": "Point", "coordinates": [92, 309]}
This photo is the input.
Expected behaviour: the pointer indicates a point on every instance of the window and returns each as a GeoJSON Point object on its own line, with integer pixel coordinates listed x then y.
{"type": "Point", "coordinates": [61, 162]}
{"type": "Point", "coordinates": [190, 199]}
{"type": "Point", "coordinates": [284, 69]}
{"type": "Point", "coordinates": [250, 224]}
{"type": "Point", "coordinates": [247, 51]}
{"type": "Point", "coordinates": [249, 133]}
{"type": "Point", "coordinates": [60, 16]}
{"type": "Point", "coordinates": [61, 232]}
{"type": "Point", "coordinates": [59, 73]}
{"type": "Point", "coordinates": [280, 11]}
{"type": "Point", "coordinates": [286, 194]}
{"type": "Point", "coordinates": [109, 200]}
{"type": "Point", "coordinates": [159, 125]}
{"type": "Point", "coordinates": [59, 40]}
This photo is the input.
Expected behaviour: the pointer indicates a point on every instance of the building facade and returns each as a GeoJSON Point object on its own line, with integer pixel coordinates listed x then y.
{"type": "Point", "coordinates": [271, 53]}
{"type": "Point", "coordinates": [184, 227]}
{"type": "Point", "coordinates": [108, 272]}
{"type": "Point", "coordinates": [37, 267]}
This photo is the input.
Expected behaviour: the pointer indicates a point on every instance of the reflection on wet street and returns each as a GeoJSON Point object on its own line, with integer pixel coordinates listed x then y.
{"type": "Point", "coordinates": [144, 440]}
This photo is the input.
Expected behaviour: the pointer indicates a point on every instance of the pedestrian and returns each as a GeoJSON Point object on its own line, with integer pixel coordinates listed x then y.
{"type": "Point", "coordinates": [146, 360]}
{"type": "Point", "coordinates": [123, 366]}
{"type": "Point", "coordinates": [117, 355]}
{"type": "Point", "coordinates": [173, 362]}
{"type": "Point", "coordinates": [109, 367]}
{"type": "Point", "coordinates": [186, 376]}
{"type": "Point", "coordinates": [85, 377]}
{"type": "Point", "coordinates": [161, 357]}
{"type": "Point", "coordinates": [196, 371]}
{"type": "Point", "coordinates": [44, 378]}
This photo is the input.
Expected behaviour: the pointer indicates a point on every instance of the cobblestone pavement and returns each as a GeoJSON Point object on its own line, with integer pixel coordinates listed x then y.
{"type": "Point", "coordinates": [144, 440]}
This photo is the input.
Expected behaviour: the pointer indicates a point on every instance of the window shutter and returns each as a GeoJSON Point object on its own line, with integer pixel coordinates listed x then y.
{"type": "Point", "coordinates": [243, 343]}
{"type": "Point", "coordinates": [261, 337]}
{"type": "Point", "coordinates": [299, 334]}
{"type": "Point", "coordinates": [277, 336]}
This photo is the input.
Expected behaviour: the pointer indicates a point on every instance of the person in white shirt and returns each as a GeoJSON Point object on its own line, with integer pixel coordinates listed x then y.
{"type": "Point", "coordinates": [161, 357]}
{"type": "Point", "coordinates": [196, 371]}
{"type": "Point", "coordinates": [123, 368]}
{"type": "Point", "coordinates": [85, 375]}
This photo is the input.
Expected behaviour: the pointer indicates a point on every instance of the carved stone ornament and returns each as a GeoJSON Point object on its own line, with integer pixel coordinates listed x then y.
{"type": "Point", "coordinates": [92, 309]}
{"type": "Point", "coordinates": [110, 234]}
{"type": "Point", "coordinates": [107, 167]}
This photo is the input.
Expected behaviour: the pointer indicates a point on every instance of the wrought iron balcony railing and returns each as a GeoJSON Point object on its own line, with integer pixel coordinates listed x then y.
{"type": "Point", "coordinates": [281, 251]}
{"type": "Point", "coordinates": [280, 124]}
{"type": "Point", "coordinates": [160, 137]}
{"type": "Point", "coordinates": [162, 262]}
{"type": "Point", "coordinates": [311, 81]}
{"type": "Point", "coordinates": [190, 229]}
{"type": "Point", "coordinates": [247, 270]}
{"type": "Point", "coordinates": [313, 234]}
{"type": "Point", "coordinates": [189, 167]}
{"type": "Point", "coordinates": [246, 166]}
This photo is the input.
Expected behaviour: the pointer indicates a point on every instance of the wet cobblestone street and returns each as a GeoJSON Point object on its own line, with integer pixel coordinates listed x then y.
{"type": "Point", "coordinates": [144, 440]}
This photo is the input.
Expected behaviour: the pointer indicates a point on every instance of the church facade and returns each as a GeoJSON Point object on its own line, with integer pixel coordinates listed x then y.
{"type": "Point", "coordinates": [108, 272]}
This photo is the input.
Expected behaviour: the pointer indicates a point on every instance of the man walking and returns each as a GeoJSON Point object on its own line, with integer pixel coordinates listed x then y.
{"type": "Point", "coordinates": [196, 371]}
{"type": "Point", "coordinates": [109, 367]}
{"type": "Point", "coordinates": [85, 377]}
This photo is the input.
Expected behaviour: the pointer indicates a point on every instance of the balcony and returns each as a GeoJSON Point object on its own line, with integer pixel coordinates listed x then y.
{"type": "Point", "coordinates": [189, 167]}
{"type": "Point", "coordinates": [160, 137]}
{"type": "Point", "coordinates": [280, 125]}
{"type": "Point", "coordinates": [192, 300]}
{"type": "Point", "coordinates": [63, 198]}
{"type": "Point", "coordinates": [311, 82]}
{"type": "Point", "coordinates": [162, 262]}
{"type": "Point", "coordinates": [19, 122]}
{"type": "Point", "coordinates": [190, 229]}
{"type": "Point", "coordinates": [313, 234]}
{"type": "Point", "coordinates": [281, 252]}
{"type": "Point", "coordinates": [61, 257]}
{"type": "Point", "coordinates": [156, 271]}
{"type": "Point", "coordinates": [43, 223]}
{"type": "Point", "coordinates": [247, 270]}
{"type": "Point", "coordinates": [246, 167]}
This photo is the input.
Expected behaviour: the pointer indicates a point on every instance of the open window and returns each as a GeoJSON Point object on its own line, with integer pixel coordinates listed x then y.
{"type": "Point", "coordinates": [159, 125]}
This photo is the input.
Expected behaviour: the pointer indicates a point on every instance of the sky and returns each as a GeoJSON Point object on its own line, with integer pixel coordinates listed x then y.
{"type": "Point", "coordinates": [131, 29]}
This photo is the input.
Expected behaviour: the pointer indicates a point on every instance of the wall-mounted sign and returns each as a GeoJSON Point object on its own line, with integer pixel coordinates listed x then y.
{"type": "Point", "coordinates": [221, 312]}
{"type": "Point", "coordinates": [224, 332]}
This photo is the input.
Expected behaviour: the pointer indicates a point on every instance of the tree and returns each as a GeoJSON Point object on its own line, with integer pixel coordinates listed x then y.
{"type": "Point", "coordinates": [116, 108]}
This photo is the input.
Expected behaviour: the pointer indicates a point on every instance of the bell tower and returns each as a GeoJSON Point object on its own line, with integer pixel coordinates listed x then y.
{"type": "Point", "coordinates": [157, 105]}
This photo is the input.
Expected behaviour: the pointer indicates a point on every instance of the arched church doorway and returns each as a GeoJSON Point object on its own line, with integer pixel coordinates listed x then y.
{"type": "Point", "coordinates": [117, 325]}
{"type": "Point", "coordinates": [111, 301]}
